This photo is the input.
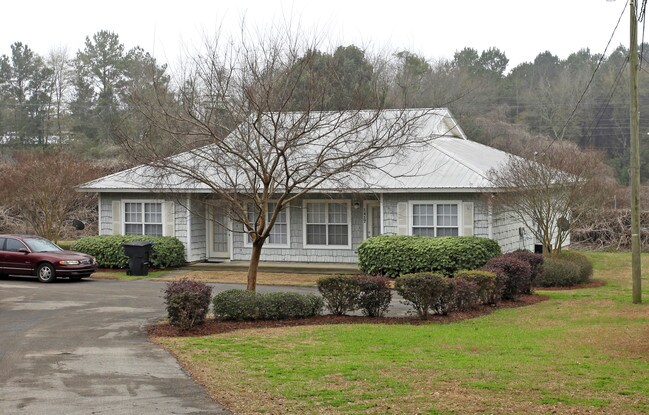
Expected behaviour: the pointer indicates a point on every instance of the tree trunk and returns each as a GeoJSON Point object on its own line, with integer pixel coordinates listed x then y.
{"type": "Point", "coordinates": [254, 264]}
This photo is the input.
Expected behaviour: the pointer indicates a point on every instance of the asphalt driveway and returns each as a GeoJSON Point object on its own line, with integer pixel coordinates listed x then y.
{"type": "Point", "coordinates": [79, 348]}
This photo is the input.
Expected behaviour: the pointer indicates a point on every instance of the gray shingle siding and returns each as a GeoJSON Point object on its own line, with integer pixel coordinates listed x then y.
{"type": "Point", "coordinates": [297, 252]}
{"type": "Point", "coordinates": [502, 227]}
{"type": "Point", "coordinates": [507, 231]}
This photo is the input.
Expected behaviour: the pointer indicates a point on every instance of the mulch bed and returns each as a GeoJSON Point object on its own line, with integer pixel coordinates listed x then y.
{"type": "Point", "coordinates": [589, 284]}
{"type": "Point", "coordinates": [216, 326]}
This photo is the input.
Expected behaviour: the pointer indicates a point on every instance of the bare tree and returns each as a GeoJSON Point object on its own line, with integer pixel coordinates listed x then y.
{"type": "Point", "coordinates": [254, 126]}
{"type": "Point", "coordinates": [38, 189]}
{"type": "Point", "coordinates": [550, 187]}
{"type": "Point", "coordinates": [60, 84]}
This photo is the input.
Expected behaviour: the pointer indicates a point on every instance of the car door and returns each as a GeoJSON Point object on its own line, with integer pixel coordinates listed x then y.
{"type": "Point", "coordinates": [16, 262]}
{"type": "Point", "coordinates": [2, 255]}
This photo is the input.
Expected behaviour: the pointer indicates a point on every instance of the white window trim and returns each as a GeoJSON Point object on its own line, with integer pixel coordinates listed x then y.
{"type": "Point", "coordinates": [347, 202]}
{"type": "Point", "coordinates": [163, 213]}
{"type": "Point", "coordinates": [435, 203]}
{"type": "Point", "coordinates": [248, 244]}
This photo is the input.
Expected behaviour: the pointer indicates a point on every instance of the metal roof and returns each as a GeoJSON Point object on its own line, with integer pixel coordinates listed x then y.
{"type": "Point", "coordinates": [449, 162]}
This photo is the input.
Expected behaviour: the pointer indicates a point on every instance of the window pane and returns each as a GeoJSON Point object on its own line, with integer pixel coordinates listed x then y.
{"type": "Point", "coordinates": [316, 234]}
{"type": "Point", "coordinates": [337, 213]}
{"type": "Point", "coordinates": [13, 245]}
{"type": "Point", "coordinates": [278, 235]}
{"type": "Point", "coordinates": [133, 229]}
{"type": "Point", "coordinates": [447, 232]}
{"type": "Point", "coordinates": [153, 212]}
{"type": "Point", "coordinates": [316, 213]}
{"type": "Point", "coordinates": [423, 231]}
{"type": "Point", "coordinates": [133, 212]}
{"type": "Point", "coordinates": [422, 215]}
{"type": "Point", "coordinates": [446, 215]}
{"type": "Point", "coordinates": [154, 230]}
{"type": "Point", "coordinates": [338, 235]}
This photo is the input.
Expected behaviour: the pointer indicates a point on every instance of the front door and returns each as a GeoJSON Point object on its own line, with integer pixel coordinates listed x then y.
{"type": "Point", "coordinates": [218, 234]}
{"type": "Point", "coordinates": [372, 219]}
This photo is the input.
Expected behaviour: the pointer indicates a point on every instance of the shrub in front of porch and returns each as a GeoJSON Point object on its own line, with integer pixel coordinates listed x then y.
{"type": "Point", "coordinates": [187, 302]}
{"type": "Point", "coordinates": [426, 292]}
{"type": "Point", "coordinates": [486, 282]}
{"type": "Point", "coordinates": [166, 251]}
{"type": "Point", "coordinates": [242, 305]}
{"type": "Point", "coordinates": [513, 276]}
{"type": "Point", "coordinates": [343, 294]}
{"type": "Point", "coordinates": [393, 255]}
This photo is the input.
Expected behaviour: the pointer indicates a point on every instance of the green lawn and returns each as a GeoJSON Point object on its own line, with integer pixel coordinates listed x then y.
{"type": "Point", "coordinates": [582, 352]}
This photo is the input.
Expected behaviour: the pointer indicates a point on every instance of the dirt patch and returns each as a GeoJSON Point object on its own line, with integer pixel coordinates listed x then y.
{"type": "Point", "coordinates": [216, 326]}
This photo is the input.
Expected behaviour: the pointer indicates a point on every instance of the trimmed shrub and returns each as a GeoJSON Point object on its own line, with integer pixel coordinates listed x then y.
{"type": "Point", "coordinates": [584, 264]}
{"type": "Point", "coordinates": [425, 292]}
{"type": "Point", "coordinates": [340, 293]}
{"type": "Point", "coordinates": [393, 256]}
{"type": "Point", "coordinates": [513, 276]}
{"type": "Point", "coordinates": [559, 272]}
{"type": "Point", "coordinates": [249, 305]}
{"type": "Point", "coordinates": [535, 261]}
{"type": "Point", "coordinates": [464, 294]}
{"type": "Point", "coordinates": [286, 305]}
{"type": "Point", "coordinates": [236, 305]}
{"type": "Point", "coordinates": [187, 302]}
{"type": "Point", "coordinates": [107, 249]}
{"type": "Point", "coordinates": [486, 283]}
{"type": "Point", "coordinates": [67, 245]}
{"type": "Point", "coordinates": [375, 295]}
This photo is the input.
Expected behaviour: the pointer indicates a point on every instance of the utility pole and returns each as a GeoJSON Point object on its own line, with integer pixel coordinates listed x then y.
{"type": "Point", "coordinates": [636, 274]}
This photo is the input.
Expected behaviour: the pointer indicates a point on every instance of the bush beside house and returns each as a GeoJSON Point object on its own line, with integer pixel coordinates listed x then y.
{"type": "Point", "coordinates": [166, 251]}
{"type": "Point", "coordinates": [393, 256]}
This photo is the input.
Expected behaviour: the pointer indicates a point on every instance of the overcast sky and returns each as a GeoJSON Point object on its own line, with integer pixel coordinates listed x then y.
{"type": "Point", "coordinates": [432, 28]}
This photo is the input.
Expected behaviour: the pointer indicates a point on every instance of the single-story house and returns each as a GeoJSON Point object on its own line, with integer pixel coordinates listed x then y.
{"type": "Point", "coordinates": [446, 191]}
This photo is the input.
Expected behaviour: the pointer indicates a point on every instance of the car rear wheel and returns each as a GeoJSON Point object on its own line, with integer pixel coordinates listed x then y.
{"type": "Point", "coordinates": [45, 273]}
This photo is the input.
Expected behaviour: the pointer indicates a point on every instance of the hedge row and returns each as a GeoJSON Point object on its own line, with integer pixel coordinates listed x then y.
{"type": "Point", "coordinates": [393, 256]}
{"type": "Point", "coordinates": [343, 294]}
{"type": "Point", "coordinates": [108, 250]}
{"type": "Point", "coordinates": [250, 305]}
{"type": "Point", "coordinates": [435, 293]}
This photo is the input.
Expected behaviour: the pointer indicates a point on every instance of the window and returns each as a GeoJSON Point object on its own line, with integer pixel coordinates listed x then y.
{"type": "Point", "coordinates": [327, 223]}
{"type": "Point", "coordinates": [13, 245]}
{"type": "Point", "coordinates": [279, 233]}
{"type": "Point", "coordinates": [143, 218]}
{"type": "Point", "coordinates": [435, 219]}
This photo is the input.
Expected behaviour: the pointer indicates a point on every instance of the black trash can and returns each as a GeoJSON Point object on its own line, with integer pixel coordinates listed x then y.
{"type": "Point", "coordinates": [138, 253]}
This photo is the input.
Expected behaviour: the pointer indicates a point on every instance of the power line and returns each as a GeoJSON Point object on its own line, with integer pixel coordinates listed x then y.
{"type": "Point", "coordinates": [599, 63]}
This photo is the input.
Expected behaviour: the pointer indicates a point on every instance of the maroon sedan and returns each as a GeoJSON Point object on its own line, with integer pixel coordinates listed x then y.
{"type": "Point", "coordinates": [33, 255]}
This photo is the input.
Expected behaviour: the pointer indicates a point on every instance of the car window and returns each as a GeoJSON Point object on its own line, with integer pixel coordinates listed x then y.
{"type": "Point", "coordinates": [41, 245]}
{"type": "Point", "coordinates": [2, 244]}
{"type": "Point", "coordinates": [13, 245]}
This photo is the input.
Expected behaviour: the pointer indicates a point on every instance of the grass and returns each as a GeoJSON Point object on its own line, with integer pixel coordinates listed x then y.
{"type": "Point", "coordinates": [582, 352]}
